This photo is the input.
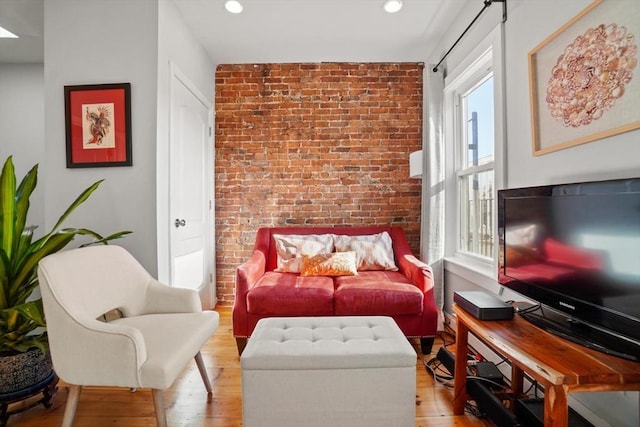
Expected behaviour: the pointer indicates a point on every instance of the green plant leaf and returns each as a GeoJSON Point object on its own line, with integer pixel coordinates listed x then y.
{"type": "Point", "coordinates": [77, 202]}
{"type": "Point", "coordinates": [83, 232]}
{"type": "Point", "coordinates": [24, 243]}
{"type": "Point", "coordinates": [33, 311]}
{"type": "Point", "coordinates": [24, 292]}
{"type": "Point", "coordinates": [11, 316]}
{"type": "Point", "coordinates": [53, 244]}
{"type": "Point", "coordinates": [26, 187]}
{"type": "Point", "coordinates": [4, 303]}
{"type": "Point", "coordinates": [4, 279]}
{"type": "Point", "coordinates": [8, 205]}
{"type": "Point", "coordinates": [30, 341]}
{"type": "Point", "coordinates": [106, 240]}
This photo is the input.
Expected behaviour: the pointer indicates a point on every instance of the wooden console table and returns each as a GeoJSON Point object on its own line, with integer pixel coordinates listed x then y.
{"type": "Point", "coordinates": [560, 366]}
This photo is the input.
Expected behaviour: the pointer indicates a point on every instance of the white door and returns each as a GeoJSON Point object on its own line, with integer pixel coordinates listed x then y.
{"type": "Point", "coordinates": [190, 189]}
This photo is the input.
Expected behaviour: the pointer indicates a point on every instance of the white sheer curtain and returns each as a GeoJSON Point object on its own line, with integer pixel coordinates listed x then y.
{"type": "Point", "coordinates": [433, 175]}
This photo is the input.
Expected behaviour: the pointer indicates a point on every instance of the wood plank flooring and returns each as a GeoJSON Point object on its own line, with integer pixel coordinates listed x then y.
{"type": "Point", "coordinates": [186, 401]}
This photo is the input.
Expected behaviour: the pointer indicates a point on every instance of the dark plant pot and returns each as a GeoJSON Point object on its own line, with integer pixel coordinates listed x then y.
{"type": "Point", "coordinates": [21, 371]}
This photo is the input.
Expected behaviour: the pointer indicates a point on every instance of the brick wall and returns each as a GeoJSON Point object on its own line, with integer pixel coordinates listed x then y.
{"type": "Point", "coordinates": [313, 144]}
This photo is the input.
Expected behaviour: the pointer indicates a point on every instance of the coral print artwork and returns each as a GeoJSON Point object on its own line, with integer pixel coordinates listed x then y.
{"type": "Point", "coordinates": [97, 131]}
{"type": "Point", "coordinates": [584, 78]}
{"type": "Point", "coordinates": [591, 74]}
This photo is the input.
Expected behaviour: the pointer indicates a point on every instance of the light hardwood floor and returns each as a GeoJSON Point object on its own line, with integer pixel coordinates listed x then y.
{"type": "Point", "coordinates": [186, 401]}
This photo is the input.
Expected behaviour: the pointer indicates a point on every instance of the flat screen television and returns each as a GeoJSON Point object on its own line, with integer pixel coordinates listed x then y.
{"type": "Point", "coordinates": [575, 249]}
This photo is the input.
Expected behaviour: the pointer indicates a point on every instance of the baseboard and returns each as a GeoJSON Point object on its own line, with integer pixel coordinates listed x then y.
{"type": "Point", "coordinates": [451, 321]}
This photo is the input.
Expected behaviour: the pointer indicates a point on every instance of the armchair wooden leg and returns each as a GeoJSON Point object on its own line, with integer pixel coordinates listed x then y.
{"type": "Point", "coordinates": [71, 406]}
{"type": "Point", "coordinates": [158, 402]}
{"type": "Point", "coordinates": [204, 375]}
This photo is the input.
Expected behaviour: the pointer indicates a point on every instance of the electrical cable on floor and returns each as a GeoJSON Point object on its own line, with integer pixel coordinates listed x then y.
{"type": "Point", "coordinates": [440, 375]}
{"type": "Point", "coordinates": [534, 383]}
{"type": "Point", "coordinates": [447, 338]}
{"type": "Point", "coordinates": [474, 410]}
{"type": "Point", "coordinates": [444, 377]}
{"type": "Point", "coordinates": [501, 362]}
{"type": "Point", "coordinates": [488, 381]}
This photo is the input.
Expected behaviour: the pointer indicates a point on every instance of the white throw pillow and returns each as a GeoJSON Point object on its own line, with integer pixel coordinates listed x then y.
{"type": "Point", "coordinates": [373, 252]}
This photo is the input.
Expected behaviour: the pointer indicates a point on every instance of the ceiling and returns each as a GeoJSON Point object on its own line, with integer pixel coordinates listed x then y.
{"type": "Point", "coordinates": [319, 30]}
{"type": "Point", "coordinates": [277, 30]}
{"type": "Point", "coordinates": [26, 19]}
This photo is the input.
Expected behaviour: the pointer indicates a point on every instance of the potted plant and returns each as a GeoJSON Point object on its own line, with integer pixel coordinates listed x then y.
{"type": "Point", "coordinates": [23, 338]}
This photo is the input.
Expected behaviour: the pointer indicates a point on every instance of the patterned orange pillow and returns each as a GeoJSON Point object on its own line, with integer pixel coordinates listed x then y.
{"type": "Point", "coordinates": [291, 247]}
{"type": "Point", "coordinates": [333, 264]}
{"type": "Point", "coordinates": [373, 252]}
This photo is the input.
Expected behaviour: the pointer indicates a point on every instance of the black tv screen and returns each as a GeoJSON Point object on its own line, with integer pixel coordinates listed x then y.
{"type": "Point", "coordinates": [576, 248]}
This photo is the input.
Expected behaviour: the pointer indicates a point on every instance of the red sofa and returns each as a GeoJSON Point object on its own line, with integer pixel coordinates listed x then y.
{"type": "Point", "coordinates": [406, 294]}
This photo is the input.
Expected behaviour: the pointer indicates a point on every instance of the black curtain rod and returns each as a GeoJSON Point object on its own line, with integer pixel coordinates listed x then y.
{"type": "Point", "coordinates": [487, 3]}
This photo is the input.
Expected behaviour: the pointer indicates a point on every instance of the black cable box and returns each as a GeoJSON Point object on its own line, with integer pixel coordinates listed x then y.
{"type": "Point", "coordinates": [483, 306]}
{"type": "Point", "coordinates": [489, 371]}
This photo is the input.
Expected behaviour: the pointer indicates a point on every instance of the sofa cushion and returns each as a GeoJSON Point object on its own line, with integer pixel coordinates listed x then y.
{"type": "Point", "coordinates": [288, 294]}
{"type": "Point", "coordinates": [333, 264]}
{"type": "Point", "coordinates": [384, 293]}
{"type": "Point", "coordinates": [373, 252]}
{"type": "Point", "coordinates": [291, 247]}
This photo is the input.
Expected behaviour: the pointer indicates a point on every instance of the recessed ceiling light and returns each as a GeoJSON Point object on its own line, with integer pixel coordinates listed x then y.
{"type": "Point", "coordinates": [233, 6]}
{"type": "Point", "coordinates": [6, 34]}
{"type": "Point", "coordinates": [392, 6]}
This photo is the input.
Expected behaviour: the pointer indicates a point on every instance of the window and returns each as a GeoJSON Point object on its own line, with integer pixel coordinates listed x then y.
{"type": "Point", "coordinates": [474, 168]}
{"type": "Point", "coordinates": [474, 140]}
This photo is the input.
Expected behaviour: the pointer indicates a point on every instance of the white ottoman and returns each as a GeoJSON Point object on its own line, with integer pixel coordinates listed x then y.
{"type": "Point", "coordinates": [328, 372]}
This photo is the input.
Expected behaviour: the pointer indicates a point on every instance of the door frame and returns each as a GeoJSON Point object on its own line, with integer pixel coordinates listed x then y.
{"type": "Point", "coordinates": [208, 292]}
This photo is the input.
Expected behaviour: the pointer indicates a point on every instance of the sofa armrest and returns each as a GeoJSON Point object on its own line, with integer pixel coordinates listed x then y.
{"type": "Point", "coordinates": [421, 275]}
{"type": "Point", "coordinates": [417, 271]}
{"type": "Point", "coordinates": [248, 273]}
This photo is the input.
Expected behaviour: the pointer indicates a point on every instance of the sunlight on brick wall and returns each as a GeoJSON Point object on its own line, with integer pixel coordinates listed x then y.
{"type": "Point", "coordinates": [313, 144]}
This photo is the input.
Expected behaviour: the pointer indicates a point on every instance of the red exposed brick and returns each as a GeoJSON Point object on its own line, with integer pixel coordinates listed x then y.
{"type": "Point", "coordinates": [313, 144]}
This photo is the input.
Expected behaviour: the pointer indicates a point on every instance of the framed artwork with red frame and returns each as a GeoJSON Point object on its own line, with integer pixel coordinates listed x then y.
{"type": "Point", "coordinates": [98, 125]}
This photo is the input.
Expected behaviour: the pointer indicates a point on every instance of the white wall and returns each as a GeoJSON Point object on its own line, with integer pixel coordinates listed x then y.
{"type": "Point", "coordinates": [529, 23]}
{"type": "Point", "coordinates": [94, 42]}
{"type": "Point", "coordinates": [22, 127]}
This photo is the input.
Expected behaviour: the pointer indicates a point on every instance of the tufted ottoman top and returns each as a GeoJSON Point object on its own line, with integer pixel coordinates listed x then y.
{"type": "Point", "coordinates": [350, 342]}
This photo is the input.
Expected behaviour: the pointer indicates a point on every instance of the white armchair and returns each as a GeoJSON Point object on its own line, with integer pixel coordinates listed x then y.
{"type": "Point", "coordinates": [161, 328]}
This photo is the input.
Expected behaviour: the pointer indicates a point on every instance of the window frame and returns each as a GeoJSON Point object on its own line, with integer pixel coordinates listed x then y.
{"type": "Point", "coordinates": [486, 57]}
